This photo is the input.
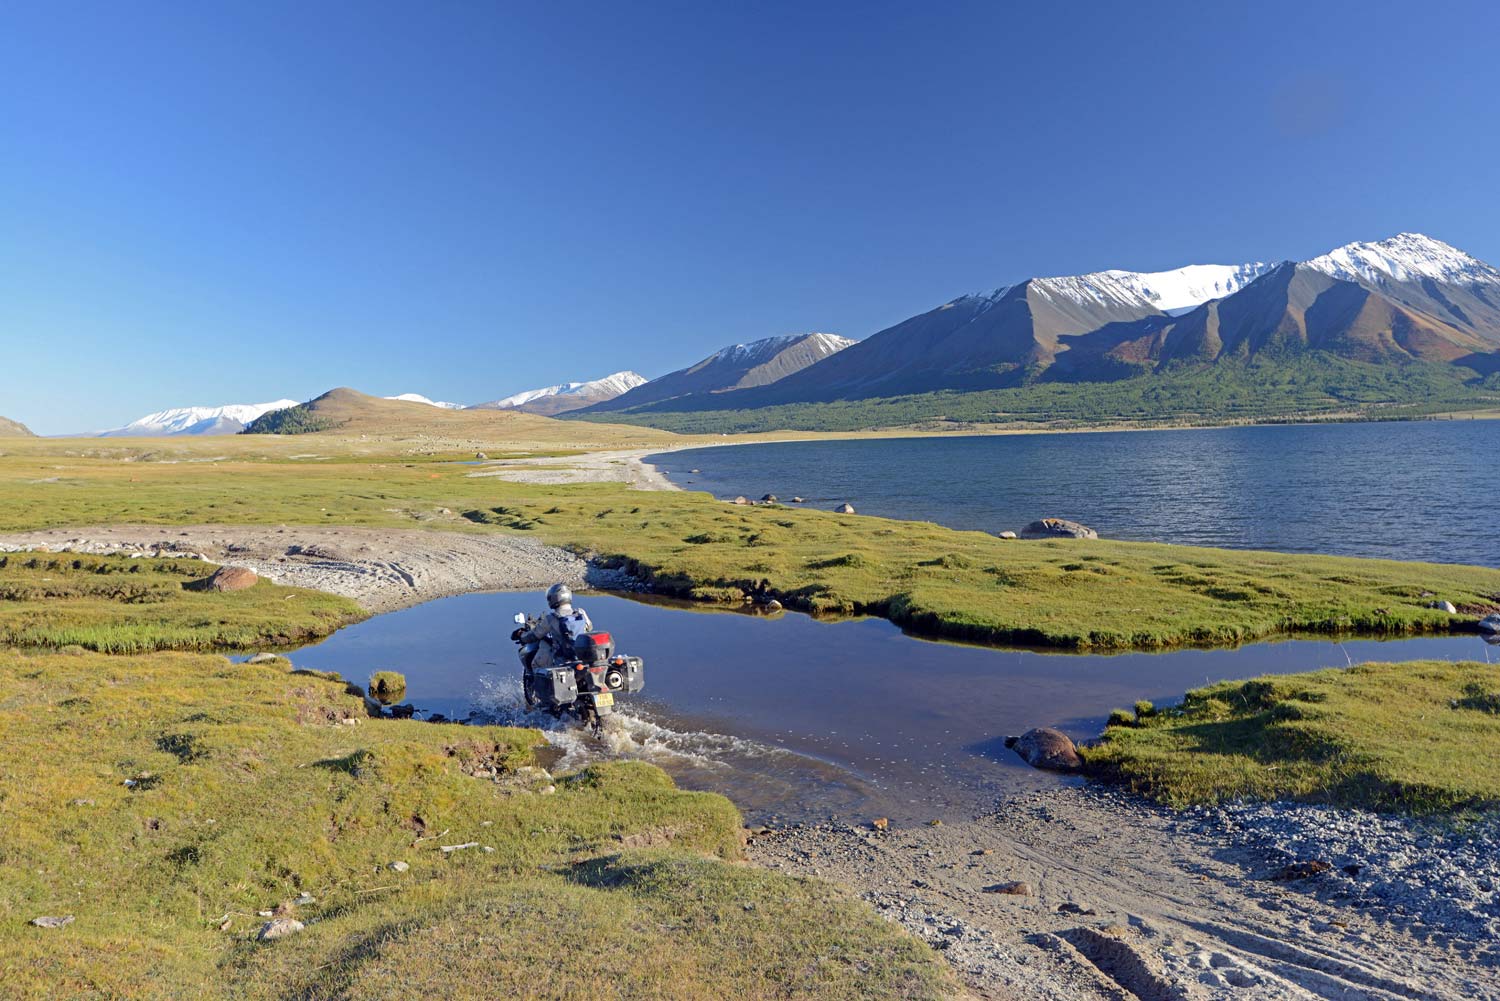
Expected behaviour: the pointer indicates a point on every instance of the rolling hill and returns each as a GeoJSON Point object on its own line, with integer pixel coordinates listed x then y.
{"type": "Point", "coordinates": [14, 429]}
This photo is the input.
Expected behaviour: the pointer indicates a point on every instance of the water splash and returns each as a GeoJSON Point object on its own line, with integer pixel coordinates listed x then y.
{"type": "Point", "coordinates": [763, 775]}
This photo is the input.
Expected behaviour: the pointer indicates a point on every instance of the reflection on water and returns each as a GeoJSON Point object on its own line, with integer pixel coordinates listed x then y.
{"type": "Point", "coordinates": [1400, 490]}
{"type": "Point", "coordinates": [796, 718]}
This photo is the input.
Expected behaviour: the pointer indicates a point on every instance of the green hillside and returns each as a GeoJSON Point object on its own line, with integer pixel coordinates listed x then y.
{"type": "Point", "coordinates": [1308, 385]}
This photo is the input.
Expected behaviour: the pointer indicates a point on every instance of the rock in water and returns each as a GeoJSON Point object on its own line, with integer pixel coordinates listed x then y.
{"type": "Point", "coordinates": [1045, 747]}
{"type": "Point", "coordinates": [768, 499]}
{"type": "Point", "coordinates": [1490, 625]}
{"type": "Point", "coordinates": [1058, 528]}
{"type": "Point", "coordinates": [231, 579]}
{"type": "Point", "coordinates": [845, 508]}
{"type": "Point", "coordinates": [278, 928]}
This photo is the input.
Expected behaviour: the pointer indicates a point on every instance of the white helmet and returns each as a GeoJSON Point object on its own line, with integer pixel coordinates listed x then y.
{"type": "Point", "coordinates": [559, 595]}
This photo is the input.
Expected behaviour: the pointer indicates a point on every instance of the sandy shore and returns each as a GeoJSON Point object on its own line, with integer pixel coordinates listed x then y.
{"type": "Point", "coordinates": [627, 467]}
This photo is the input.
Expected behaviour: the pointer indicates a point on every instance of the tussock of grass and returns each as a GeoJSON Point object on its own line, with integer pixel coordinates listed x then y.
{"type": "Point", "coordinates": [114, 604]}
{"type": "Point", "coordinates": [250, 790]}
{"type": "Point", "coordinates": [1419, 737]}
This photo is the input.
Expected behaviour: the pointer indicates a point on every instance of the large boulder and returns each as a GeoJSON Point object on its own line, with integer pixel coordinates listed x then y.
{"type": "Point", "coordinates": [845, 508]}
{"type": "Point", "coordinates": [1490, 625]}
{"type": "Point", "coordinates": [231, 579]}
{"type": "Point", "coordinates": [1057, 528]}
{"type": "Point", "coordinates": [1045, 747]}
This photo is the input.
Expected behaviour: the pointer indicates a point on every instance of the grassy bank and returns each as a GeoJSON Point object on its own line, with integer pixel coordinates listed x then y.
{"type": "Point", "coordinates": [114, 604]}
{"type": "Point", "coordinates": [162, 801]}
{"type": "Point", "coordinates": [1420, 737]}
{"type": "Point", "coordinates": [1071, 594]}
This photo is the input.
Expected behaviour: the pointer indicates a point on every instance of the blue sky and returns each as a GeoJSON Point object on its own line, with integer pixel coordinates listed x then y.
{"type": "Point", "coordinates": [237, 202]}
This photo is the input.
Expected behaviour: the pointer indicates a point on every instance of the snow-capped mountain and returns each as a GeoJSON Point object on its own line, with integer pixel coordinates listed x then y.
{"type": "Point", "coordinates": [1405, 257]}
{"type": "Point", "coordinates": [230, 419]}
{"type": "Point", "coordinates": [1406, 298]}
{"type": "Point", "coordinates": [419, 398]}
{"type": "Point", "coordinates": [1423, 274]}
{"type": "Point", "coordinates": [739, 366]}
{"type": "Point", "coordinates": [567, 396]}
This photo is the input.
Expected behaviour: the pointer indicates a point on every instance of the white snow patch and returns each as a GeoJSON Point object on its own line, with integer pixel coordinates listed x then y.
{"type": "Point", "coordinates": [419, 398]}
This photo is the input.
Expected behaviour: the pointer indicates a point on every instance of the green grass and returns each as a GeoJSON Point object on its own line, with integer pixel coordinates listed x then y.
{"type": "Point", "coordinates": [251, 789]}
{"type": "Point", "coordinates": [1263, 390]}
{"type": "Point", "coordinates": [1074, 594]}
{"type": "Point", "coordinates": [115, 604]}
{"type": "Point", "coordinates": [1098, 595]}
{"type": "Point", "coordinates": [1421, 737]}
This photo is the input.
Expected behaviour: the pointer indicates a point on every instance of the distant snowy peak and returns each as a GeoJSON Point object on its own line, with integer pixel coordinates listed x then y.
{"type": "Point", "coordinates": [1405, 257]}
{"type": "Point", "coordinates": [769, 347]}
{"type": "Point", "coordinates": [568, 395]}
{"type": "Point", "coordinates": [419, 398]}
{"type": "Point", "coordinates": [196, 420]}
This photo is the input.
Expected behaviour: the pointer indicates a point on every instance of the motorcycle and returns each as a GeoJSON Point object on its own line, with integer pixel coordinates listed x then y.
{"type": "Point", "coordinates": [582, 685]}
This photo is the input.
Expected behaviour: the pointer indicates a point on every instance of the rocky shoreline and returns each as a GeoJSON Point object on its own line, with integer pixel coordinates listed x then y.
{"type": "Point", "coordinates": [382, 569]}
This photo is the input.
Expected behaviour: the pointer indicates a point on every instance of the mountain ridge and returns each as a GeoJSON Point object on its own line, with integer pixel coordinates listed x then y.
{"type": "Point", "coordinates": [738, 366]}
{"type": "Point", "coordinates": [1406, 300]}
{"type": "Point", "coordinates": [14, 429]}
{"type": "Point", "coordinates": [567, 396]}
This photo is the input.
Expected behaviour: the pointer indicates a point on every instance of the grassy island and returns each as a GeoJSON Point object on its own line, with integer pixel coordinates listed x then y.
{"type": "Point", "coordinates": [1421, 737]}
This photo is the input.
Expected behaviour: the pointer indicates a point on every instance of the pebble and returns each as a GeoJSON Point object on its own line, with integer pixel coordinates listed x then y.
{"type": "Point", "coordinates": [1447, 877]}
{"type": "Point", "coordinates": [398, 866]}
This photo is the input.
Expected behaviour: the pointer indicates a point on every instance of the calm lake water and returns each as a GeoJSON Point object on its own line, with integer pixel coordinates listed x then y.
{"type": "Point", "coordinates": [1426, 490]}
{"type": "Point", "coordinates": [794, 718]}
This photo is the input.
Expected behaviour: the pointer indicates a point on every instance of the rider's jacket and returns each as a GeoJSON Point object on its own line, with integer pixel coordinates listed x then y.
{"type": "Point", "coordinates": [554, 634]}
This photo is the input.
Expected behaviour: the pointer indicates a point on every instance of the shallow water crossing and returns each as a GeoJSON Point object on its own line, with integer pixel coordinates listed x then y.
{"type": "Point", "coordinates": [794, 718]}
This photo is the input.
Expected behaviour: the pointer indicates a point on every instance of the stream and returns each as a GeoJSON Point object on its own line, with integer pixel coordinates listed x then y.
{"type": "Point", "coordinates": [799, 719]}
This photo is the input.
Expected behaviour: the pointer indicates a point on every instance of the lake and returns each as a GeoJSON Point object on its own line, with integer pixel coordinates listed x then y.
{"type": "Point", "coordinates": [798, 719]}
{"type": "Point", "coordinates": [1420, 490]}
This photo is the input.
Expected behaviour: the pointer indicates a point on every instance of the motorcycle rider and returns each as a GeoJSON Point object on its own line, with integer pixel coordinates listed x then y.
{"type": "Point", "coordinates": [552, 635]}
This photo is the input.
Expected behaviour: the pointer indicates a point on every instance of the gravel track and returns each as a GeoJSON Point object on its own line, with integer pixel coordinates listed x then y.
{"type": "Point", "coordinates": [1130, 901]}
